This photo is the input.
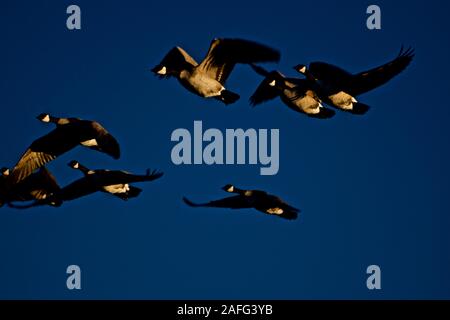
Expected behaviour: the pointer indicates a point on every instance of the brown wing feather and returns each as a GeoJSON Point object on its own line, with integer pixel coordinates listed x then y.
{"type": "Point", "coordinates": [47, 148]}
{"type": "Point", "coordinates": [187, 57]}
{"type": "Point", "coordinates": [223, 54]}
{"type": "Point", "coordinates": [30, 162]}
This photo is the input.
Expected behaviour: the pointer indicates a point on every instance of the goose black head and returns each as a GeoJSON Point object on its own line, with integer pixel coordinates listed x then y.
{"type": "Point", "coordinates": [273, 83]}
{"type": "Point", "coordinates": [301, 68]}
{"type": "Point", "coordinates": [275, 79]}
{"type": "Point", "coordinates": [160, 70]}
{"type": "Point", "coordinates": [229, 188]}
{"type": "Point", "coordinates": [74, 164]}
{"type": "Point", "coordinates": [5, 172]}
{"type": "Point", "coordinates": [44, 117]}
{"type": "Point", "coordinates": [167, 71]}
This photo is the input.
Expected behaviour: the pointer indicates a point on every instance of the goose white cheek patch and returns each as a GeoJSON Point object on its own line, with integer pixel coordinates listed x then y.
{"type": "Point", "coordinates": [162, 71]}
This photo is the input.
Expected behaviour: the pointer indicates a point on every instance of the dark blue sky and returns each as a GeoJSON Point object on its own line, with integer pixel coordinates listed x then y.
{"type": "Point", "coordinates": [372, 189]}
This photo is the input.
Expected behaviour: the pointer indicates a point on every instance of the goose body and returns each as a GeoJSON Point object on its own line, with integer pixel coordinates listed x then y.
{"type": "Point", "coordinates": [256, 199]}
{"type": "Point", "coordinates": [298, 94]}
{"type": "Point", "coordinates": [340, 88]}
{"type": "Point", "coordinates": [116, 183]}
{"type": "Point", "coordinates": [69, 133]}
{"type": "Point", "coordinates": [208, 78]}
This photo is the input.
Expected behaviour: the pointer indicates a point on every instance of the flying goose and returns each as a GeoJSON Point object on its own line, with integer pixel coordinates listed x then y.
{"type": "Point", "coordinates": [340, 88]}
{"type": "Point", "coordinates": [112, 182]}
{"type": "Point", "coordinates": [40, 185]}
{"type": "Point", "coordinates": [69, 133]}
{"type": "Point", "coordinates": [116, 183]}
{"type": "Point", "coordinates": [208, 78]}
{"type": "Point", "coordinates": [298, 94]}
{"type": "Point", "coordinates": [245, 199]}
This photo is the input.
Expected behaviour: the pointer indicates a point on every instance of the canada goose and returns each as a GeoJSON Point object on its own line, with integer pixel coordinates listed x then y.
{"type": "Point", "coordinates": [208, 78]}
{"type": "Point", "coordinates": [259, 200]}
{"type": "Point", "coordinates": [340, 88]}
{"type": "Point", "coordinates": [298, 94]}
{"type": "Point", "coordinates": [38, 186]}
{"type": "Point", "coordinates": [113, 182]}
{"type": "Point", "coordinates": [116, 183]}
{"type": "Point", "coordinates": [69, 133]}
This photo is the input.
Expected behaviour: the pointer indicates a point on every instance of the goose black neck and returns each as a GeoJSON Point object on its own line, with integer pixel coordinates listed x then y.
{"type": "Point", "coordinates": [83, 169]}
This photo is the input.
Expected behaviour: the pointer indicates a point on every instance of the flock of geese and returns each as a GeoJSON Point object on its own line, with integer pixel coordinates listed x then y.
{"type": "Point", "coordinates": [30, 182]}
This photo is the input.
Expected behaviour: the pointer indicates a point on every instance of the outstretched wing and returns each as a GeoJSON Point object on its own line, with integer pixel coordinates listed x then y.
{"type": "Point", "coordinates": [105, 142]}
{"type": "Point", "coordinates": [78, 189]}
{"type": "Point", "coordinates": [223, 54]}
{"type": "Point", "coordinates": [330, 74]}
{"type": "Point", "coordinates": [235, 202]}
{"type": "Point", "coordinates": [41, 152]}
{"type": "Point", "coordinates": [371, 79]}
{"type": "Point", "coordinates": [107, 178]}
{"type": "Point", "coordinates": [30, 161]}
